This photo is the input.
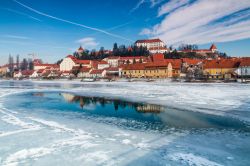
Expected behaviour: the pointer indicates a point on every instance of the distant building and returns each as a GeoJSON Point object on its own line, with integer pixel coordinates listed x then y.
{"type": "Point", "coordinates": [112, 61]}
{"type": "Point", "coordinates": [37, 61]}
{"type": "Point", "coordinates": [132, 59]}
{"type": "Point", "coordinates": [97, 73]}
{"type": "Point", "coordinates": [244, 68]}
{"type": "Point", "coordinates": [221, 69]}
{"type": "Point", "coordinates": [80, 50]}
{"type": "Point", "coordinates": [39, 66]}
{"type": "Point", "coordinates": [153, 45]}
{"type": "Point", "coordinates": [23, 74]}
{"type": "Point", "coordinates": [112, 72]}
{"type": "Point", "coordinates": [212, 49]}
{"type": "Point", "coordinates": [3, 70]}
{"type": "Point", "coordinates": [70, 61]}
{"type": "Point", "coordinates": [102, 65]}
{"type": "Point", "coordinates": [148, 70]}
{"type": "Point", "coordinates": [115, 61]}
{"type": "Point", "coordinates": [84, 72]}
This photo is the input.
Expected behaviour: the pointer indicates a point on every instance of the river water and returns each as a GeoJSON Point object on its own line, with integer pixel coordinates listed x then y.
{"type": "Point", "coordinates": [162, 123]}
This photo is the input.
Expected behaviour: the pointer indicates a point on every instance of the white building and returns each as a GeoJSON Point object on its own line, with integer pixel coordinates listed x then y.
{"type": "Point", "coordinates": [17, 74]}
{"type": "Point", "coordinates": [98, 73]}
{"type": "Point", "coordinates": [112, 61]}
{"type": "Point", "coordinates": [244, 68]}
{"type": "Point", "coordinates": [84, 73]}
{"type": "Point", "coordinates": [35, 74]}
{"type": "Point", "coordinates": [102, 65]}
{"type": "Point", "coordinates": [70, 61]}
{"type": "Point", "coordinates": [158, 50]}
{"type": "Point", "coordinates": [153, 45]}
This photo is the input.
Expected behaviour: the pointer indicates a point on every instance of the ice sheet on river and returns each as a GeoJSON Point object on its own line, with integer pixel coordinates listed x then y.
{"type": "Point", "coordinates": [219, 99]}
{"type": "Point", "coordinates": [41, 138]}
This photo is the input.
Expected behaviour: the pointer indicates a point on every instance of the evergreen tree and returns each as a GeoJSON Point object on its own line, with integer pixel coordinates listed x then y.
{"type": "Point", "coordinates": [115, 49]}
{"type": "Point", "coordinates": [30, 65]}
{"type": "Point", "coordinates": [134, 61]}
{"type": "Point", "coordinates": [17, 62]}
{"type": "Point", "coordinates": [11, 64]}
{"type": "Point", "coordinates": [24, 65]}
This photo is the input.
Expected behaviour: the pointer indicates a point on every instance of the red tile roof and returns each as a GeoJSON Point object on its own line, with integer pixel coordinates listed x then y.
{"type": "Point", "coordinates": [132, 57]}
{"type": "Point", "coordinates": [224, 63]}
{"type": "Point", "coordinates": [137, 66]}
{"type": "Point", "coordinates": [113, 57]}
{"type": "Point", "coordinates": [40, 71]}
{"type": "Point", "coordinates": [190, 61]}
{"type": "Point", "coordinates": [85, 70]}
{"type": "Point", "coordinates": [112, 69]}
{"type": "Point", "coordinates": [77, 61]}
{"type": "Point", "coordinates": [213, 47]}
{"type": "Point", "coordinates": [176, 63]}
{"type": "Point", "coordinates": [158, 57]}
{"type": "Point", "coordinates": [27, 72]}
{"type": "Point", "coordinates": [156, 64]}
{"type": "Point", "coordinates": [37, 61]}
{"type": "Point", "coordinates": [148, 41]}
{"type": "Point", "coordinates": [96, 71]}
{"type": "Point", "coordinates": [80, 48]}
{"type": "Point", "coordinates": [82, 62]}
{"type": "Point", "coordinates": [245, 62]}
{"type": "Point", "coordinates": [72, 57]}
{"type": "Point", "coordinates": [102, 62]}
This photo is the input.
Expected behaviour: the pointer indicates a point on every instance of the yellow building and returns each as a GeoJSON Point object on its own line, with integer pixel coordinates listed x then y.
{"type": "Point", "coordinates": [134, 71]}
{"type": "Point", "coordinates": [3, 70]}
{"type": "Point", "coordinates": [148, 70]}
{"type": "Point", "coordinates": [158, 70]}
{"type": "Point", "coordinates": [220, 69]}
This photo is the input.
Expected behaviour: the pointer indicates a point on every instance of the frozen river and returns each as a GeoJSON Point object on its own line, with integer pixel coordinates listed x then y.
{"type": "Point", "coordinates": [121, 123]}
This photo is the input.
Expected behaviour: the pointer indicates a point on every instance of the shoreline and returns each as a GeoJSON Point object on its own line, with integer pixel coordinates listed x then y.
{"type": "Point", "coordinates": [132, 80]}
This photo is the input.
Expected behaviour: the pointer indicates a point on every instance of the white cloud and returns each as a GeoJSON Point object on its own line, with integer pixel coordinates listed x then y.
{"type": "Point", "coordinates": [145, 31]}
{"type": "Point", "coordinates": [88, 42]}
{"type": "Point", "coordinates": [171, 6]}
{"type": "Point", "coordinates": [198, 22]}
{"type": "Point", "coordinates": [152, 3]}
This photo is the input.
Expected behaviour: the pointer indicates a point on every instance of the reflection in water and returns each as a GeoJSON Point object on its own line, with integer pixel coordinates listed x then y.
{"type": "Point", "coordinates": [127, 113]}
{"type": "Point", "coordinates": [139, 107]}
{"type": "Point", "coordinates": [38, 94]}
{"type": "Point", "coordinates": [167, 116]}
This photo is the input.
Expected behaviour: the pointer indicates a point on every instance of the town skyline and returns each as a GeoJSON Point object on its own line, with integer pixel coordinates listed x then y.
{"type": "Point", "coordinates": [58, 30]}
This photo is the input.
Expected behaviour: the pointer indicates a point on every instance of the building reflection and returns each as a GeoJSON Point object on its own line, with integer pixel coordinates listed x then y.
{"type": "Point", "coordinates": [38, 94]}
{"type": "Point", "coordinates": [117, 104]}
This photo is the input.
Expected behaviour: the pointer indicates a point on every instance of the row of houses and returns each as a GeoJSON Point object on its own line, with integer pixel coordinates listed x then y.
{"type": "Point", "coordinates": [155, 66]}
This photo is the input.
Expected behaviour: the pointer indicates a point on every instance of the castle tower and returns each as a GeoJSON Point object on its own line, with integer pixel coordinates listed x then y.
{"type": "Point", "coordinates": [80, 50]}
{"type": "Point", "coordinates": [213, 48]}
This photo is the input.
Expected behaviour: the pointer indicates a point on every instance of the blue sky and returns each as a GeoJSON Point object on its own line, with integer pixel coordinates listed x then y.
{"type": "Point", "coordinates": [53, 29]}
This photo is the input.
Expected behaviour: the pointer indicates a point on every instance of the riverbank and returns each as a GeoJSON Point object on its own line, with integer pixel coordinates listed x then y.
{"type": "Point", "coordinates": [133, 80]}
